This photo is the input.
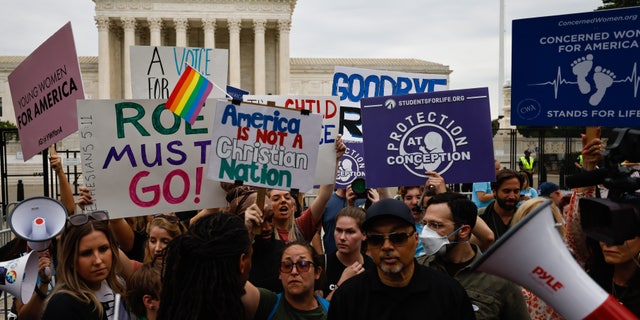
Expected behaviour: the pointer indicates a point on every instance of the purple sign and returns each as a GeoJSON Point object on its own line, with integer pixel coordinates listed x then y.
{"type": "Point", "coordinates": [447, 131]}
{"type": "Point", "coordinates": [351, 165]}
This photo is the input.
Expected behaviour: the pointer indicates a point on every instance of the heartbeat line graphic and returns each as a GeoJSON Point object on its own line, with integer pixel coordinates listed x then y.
{"type": "Point", "coordinates": [559, 81]}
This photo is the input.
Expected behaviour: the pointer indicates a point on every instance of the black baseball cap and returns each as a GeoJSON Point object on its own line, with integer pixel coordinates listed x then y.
{"type": "Point", "coordinates": [388, 208]}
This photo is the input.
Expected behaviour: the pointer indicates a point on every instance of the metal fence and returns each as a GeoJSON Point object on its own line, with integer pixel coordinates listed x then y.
{"type": "Point", "coordinates": [6, 235]}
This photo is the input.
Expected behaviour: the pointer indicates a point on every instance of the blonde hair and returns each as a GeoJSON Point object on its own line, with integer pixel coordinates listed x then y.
{"type": "Point", "coordinates": [68, 280]}
{"type": "Point", "coordinates": [528, 206]}
{"type": "Point", "coordinates": [291, 221]}
{"type": "Point", "coordinates": [173, 228]}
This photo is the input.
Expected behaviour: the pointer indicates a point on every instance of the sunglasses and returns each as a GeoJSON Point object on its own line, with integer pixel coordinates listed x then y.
{"type": "Point", "coordinates": [170, 218]}
{"type": "Point", "coordinates": [396, 238]}
{"type": "Point", "coordinates": [82, 219]}
{"type": "Point", "coordinates": [301, 266]}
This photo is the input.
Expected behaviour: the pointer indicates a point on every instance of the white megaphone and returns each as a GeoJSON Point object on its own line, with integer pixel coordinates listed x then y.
{"type": "Point", "coordinates": [38, 220]}
{"type": "Point", "coordinates": [533, 255]}
{"type": "Point", "coordinates": [19, 276]}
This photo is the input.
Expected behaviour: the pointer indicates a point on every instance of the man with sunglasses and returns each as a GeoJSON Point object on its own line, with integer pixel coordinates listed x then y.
{"type": "Point", "coordinates": [399, 288]}
{"type": "Point", "coordinates": [449, 219]}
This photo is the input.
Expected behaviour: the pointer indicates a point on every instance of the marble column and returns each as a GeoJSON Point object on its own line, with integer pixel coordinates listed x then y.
{"type": "Point", "coordinates": [129, 26]}
{"type": "Point", "coordinates": [103, 58]}
{"type": "Point", "coordinates": [181, 31]}
{"type": "Point", "coordinates": [259, 56]}
{"type": "Point", "coordinates": [155, 27]}
{"type": "Point", "coordinates": [234, 52]}
{"type": "Point", "coordinates": [209, 26]}
{"type": "Point", "coordinates": [284, 26]}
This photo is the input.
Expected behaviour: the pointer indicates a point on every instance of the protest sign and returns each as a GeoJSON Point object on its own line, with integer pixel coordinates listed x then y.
{"type": "Point", "coordinates": [264, 146]}
{"type": "Point", "coordinates": [138, 158]}
{"type": "Point", "coordinates": [448, 132]}
{"type": "Point", "coordinates": [351, 85]}
{"type": "Point", "coordinates": [44, 89]}
{"type": "Point", "coordinates": [156, 70]}
{"type": "Point", "coordinates": [351, 165]}
{"type": "Point", "coordinates": [577, 70]}
{"type": "Point", "coordinates": [329, 108]}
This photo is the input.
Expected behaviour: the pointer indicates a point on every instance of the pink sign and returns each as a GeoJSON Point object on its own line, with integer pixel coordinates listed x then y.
{"type": "Point", "coordinates": [44, 89]}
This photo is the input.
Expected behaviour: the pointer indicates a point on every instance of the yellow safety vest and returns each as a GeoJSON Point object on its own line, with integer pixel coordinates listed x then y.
{"type": "Point", "coordinates": [526, 164]}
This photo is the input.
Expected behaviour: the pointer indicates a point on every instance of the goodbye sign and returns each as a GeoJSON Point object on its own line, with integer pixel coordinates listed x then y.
{"type": "Point", "coordinates": [264, 146]}
{"type": "Point", "coordinates": [156, 70]}
{"type": "Point", "coordinates": [138, 158]}
{"type": "Point", "coordinates": [351, 85]}
{"type": "Point", "coordinates": [44, 89]}
{"type": "Point", "coordinates": [329, 108]}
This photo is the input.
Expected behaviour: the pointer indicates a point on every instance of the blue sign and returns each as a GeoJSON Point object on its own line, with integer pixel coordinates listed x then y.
{"type": "Point", "coordinates": [236, 93]}
{"type": "Point", "coordinates": [577, 70]}
{"type": "Point", "coordinates": [446, 131]}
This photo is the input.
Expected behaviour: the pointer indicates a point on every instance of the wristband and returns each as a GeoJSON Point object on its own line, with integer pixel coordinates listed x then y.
{"type": "Point", "coordinates": [39, 293]}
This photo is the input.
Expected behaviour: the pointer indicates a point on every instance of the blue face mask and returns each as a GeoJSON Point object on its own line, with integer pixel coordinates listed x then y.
{"type": "Point", "coordinates": [434, 243]}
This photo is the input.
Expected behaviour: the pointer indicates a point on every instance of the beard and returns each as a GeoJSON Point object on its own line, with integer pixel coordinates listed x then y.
{"type": "Point", "coordinates": [507, 204]}
{"type": "Point", "coordinates": [394, 270]}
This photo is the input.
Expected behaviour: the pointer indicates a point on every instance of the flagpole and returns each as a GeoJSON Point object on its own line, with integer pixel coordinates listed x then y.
{"type": "Point", "coordinates": [501, 62]}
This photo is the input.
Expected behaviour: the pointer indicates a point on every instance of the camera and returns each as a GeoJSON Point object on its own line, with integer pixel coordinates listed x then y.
{"type": "Point", "coordinates": [359, 188]}
{"type": "Point", "coordinates": [617, 218]}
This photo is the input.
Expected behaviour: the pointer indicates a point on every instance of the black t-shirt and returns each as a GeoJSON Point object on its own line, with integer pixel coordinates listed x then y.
{"type": "Point", "coordinates": [139, 243]}
{"type": "Point", "coordinates": [494, 221]}
{"type": "Point", "coordinates": [429, 295]}
{"type": "Point", "coordinates": [334, 269]}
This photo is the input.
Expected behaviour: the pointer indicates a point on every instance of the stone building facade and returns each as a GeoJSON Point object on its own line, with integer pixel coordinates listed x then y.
{"type": "Point", "coordinates": [255, 32]}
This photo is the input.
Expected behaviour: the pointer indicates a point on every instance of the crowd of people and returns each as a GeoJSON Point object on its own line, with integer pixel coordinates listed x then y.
{"type": "Point", "coordinates": [403, 257]}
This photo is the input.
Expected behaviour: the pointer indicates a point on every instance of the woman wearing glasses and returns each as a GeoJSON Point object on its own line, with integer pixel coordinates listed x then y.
{"type": "Point", "coordinates": [348, 260]}
{"type": "Point", "coordinates": [299, 272]}
{"type": "Point", "coordinates": [87, 282]}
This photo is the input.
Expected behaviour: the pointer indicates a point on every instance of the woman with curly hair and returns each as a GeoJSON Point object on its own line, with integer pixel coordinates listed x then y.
{"type": "Point", "coordinates": [205, 270]}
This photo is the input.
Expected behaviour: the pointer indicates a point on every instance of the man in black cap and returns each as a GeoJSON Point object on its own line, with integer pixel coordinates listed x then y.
{"type": "Point", "coordinates": [399, 288]}
{"type": "Point", "coordinates": [552, 191]}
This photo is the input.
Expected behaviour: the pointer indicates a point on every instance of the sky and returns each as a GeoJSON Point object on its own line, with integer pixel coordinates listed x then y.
{"type": "Point", "coordinates": [462, 34]}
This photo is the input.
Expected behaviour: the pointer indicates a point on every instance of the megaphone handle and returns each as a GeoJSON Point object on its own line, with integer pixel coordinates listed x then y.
{"type": "Point", "coordinates": [47, 271]}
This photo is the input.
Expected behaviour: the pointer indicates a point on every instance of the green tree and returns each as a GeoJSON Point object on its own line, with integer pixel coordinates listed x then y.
{"type": "Point", "coordinates": [612, 4]}
{"type": "Point", "coordinates": [9, 125]}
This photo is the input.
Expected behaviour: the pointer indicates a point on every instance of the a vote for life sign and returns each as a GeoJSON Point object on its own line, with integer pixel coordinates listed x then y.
{"type": "Point", "coordinates": [138, 158]}
{"type": "Point", "coordinates": [447, 131]}
{"type": "Point", "coordinates": [156, 70]}
{"type": "Point", "coordinates": [577, 70]}
{"type": "Point", "coordinates": [44, 90]}
{"type": "Point", "coordinates": [264, 146]}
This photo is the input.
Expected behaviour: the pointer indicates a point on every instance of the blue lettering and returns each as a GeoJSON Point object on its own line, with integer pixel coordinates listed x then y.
{"type": "Point", "coordinates": [354, 87]}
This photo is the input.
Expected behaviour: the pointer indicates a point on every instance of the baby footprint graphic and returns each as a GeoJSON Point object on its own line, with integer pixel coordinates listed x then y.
{"type": "Point", "coordinates": [603, 79]}
{"type": "Point", "coordinates": [581, 68]}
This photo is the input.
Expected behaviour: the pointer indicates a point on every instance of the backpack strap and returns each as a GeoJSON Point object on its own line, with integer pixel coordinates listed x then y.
{"type": "Point", "coordinates": [323, 302]}
{"type": "Point", "coordinates": [275, 306]}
